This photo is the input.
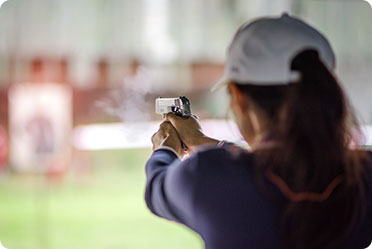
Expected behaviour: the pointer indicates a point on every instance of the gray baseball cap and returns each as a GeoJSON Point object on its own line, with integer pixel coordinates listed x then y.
{"type": "Point", "coordinates": [261, 51]}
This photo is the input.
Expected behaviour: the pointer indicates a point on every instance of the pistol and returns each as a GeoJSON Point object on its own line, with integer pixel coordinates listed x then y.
{"type": "Point", "coordinates": [179, 106]}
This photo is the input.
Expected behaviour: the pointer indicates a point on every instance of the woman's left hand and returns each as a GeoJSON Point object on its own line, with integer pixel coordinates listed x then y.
{"type": "Point", "coordinates": [167, 136]}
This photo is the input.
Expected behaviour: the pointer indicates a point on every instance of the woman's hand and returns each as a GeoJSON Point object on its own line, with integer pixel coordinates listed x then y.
{"type": "Point", "coordinates": [167, 136]}
{"type": "Point", "coordinates": [189, 131]}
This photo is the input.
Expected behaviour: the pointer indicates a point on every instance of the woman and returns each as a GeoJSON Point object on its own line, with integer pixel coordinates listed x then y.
{"type": "Point", "coordinates": [301, 185]}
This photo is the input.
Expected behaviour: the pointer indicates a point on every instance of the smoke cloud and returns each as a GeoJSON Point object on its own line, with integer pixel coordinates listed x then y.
{"type": "Point", "coordinates": [131, 102]}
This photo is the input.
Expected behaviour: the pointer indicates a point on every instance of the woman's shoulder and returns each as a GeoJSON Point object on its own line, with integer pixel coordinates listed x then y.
{"type": "Point", "coordinates": [226, 150]}
{"type": "Point", "coordinates": [227, 154]}
{"type": "Point", "coordinates": [208, 162]}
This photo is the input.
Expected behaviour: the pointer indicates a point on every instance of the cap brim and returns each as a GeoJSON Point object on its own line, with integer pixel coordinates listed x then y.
{"type": "Point", "coordinates": [220, 84]}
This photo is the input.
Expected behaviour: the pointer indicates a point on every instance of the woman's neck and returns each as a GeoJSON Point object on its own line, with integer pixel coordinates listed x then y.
{"type": "Point", "coordinates": [262, 128]}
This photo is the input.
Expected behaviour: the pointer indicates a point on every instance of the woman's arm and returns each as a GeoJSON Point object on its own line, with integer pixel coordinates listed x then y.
{"type": "Point", "coordinates": [170, 186]}
{"type": "Point", "coordinates": [156, 171]}
{"type": "Point", "coordinates": [170, 182]}
{"type": "Point", "coordinates": [167, 150]}
{"type": "Point", "coordinates": [190, 131]}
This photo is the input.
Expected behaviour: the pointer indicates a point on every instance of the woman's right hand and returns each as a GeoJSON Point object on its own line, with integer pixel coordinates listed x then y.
{"type": "Point", "coordinates": [189, 131]}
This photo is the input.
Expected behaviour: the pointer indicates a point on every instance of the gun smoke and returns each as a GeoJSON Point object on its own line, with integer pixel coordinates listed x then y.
{"type": "Point", "coordinates": [132, 101]}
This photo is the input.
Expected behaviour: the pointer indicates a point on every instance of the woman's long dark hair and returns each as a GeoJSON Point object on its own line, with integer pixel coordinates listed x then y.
{"type": "Point", "coordinates": [314, 128]}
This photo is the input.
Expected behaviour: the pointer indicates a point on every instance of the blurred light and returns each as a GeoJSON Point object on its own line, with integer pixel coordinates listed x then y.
{"type": "Point", "coordinates": [159, 43]}
{"type": "Point", "coordinates": [367, 131]}
{"type": "Point", "coordinates": [138, 134]}
{"type": "Point", "coordinates": [114, 136]}
{"type": "Point", "coordinates": [369, 2]}
{"type": "Point", "coordinates": [1, 246]}
{"type": "Point", "coordinates": [1, 3]}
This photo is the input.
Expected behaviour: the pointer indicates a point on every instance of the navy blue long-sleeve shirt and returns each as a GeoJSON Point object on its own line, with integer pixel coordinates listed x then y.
{"type": "Point", "coordinates": [215, 193]}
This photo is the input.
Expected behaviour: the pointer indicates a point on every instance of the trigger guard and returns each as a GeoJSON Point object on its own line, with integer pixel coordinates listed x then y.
{"type": "Point", "coordinates": [176, 111]}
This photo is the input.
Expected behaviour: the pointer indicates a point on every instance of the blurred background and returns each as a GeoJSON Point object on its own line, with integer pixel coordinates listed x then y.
{"type": "Point", "coordinates": [78, 80]}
